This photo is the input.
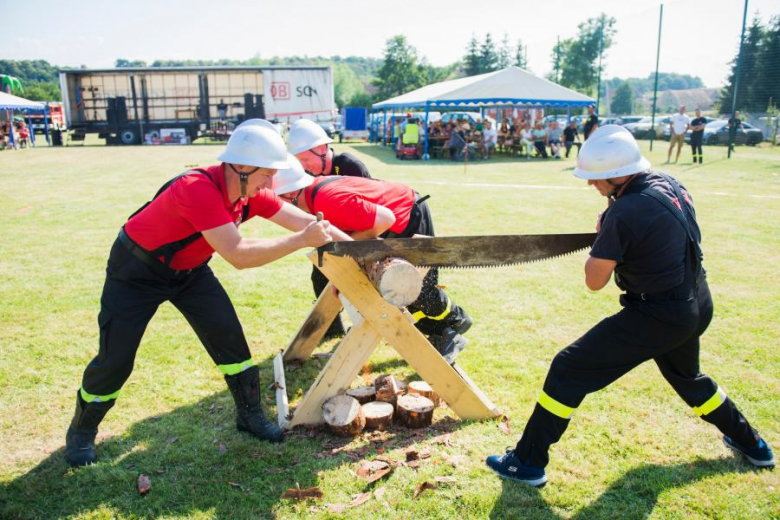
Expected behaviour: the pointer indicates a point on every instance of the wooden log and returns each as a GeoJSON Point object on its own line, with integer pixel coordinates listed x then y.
{"type": "Point", "coordinates": [424, 389]}
{"type": "Point", "coordinates": [414, 411]}
{"type": "Point", "coordinates": [344, 415]}
{"type": "Point", "coordinates": [387, 389]}
{"type": "Point", "coordinates": [364, 394]}
{"type": "Point", "coordinates": [379, 415]}
{"type": "Point", "coordinates": [398, 281]}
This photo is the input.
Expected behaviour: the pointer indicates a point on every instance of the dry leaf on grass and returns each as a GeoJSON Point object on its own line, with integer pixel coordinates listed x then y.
{"type": "Point", "coordinates": [171, 440]}
{"type": "Point", "coordinates": [422, 487]}
{"type": "Point", "coordinates": [444, 440]}
{"type": "Point", "coordinates": [144, 484]}
{"type": "Point", "coordinates": [222, 449]}
{"type": "Point", "coordinates": [360, 499]}
{"type": "Point", "coordinates": [379, 474]}
{"type": "Point", "coordinates": [235, 485]}
{"type": "Point", "coordinates": [297, 493]}
{"type": "Point", "coordinates": [275, 386]}
{"type": "Point", "coordinates": [367, 467]}
{"type": "Point", "coordinates": [380, 492]}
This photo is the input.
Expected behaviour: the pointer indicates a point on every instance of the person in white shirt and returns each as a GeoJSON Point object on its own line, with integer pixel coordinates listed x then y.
{"type": "Point", "coordinates": [679, 124]}
{"type": "Point", "coordinates": [489, 139]}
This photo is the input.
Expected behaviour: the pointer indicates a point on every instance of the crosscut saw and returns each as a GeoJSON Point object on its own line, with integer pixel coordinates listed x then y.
{"type": "Point", "coordinates": [468, 251]}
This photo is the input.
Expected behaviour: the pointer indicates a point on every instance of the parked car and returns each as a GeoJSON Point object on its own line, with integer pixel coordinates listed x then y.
{"type": "Point", "coordinates": [471, 117]}
{"type": "Point", "coordinates": [717, 132]}
{"type": "Point", "coordinates": [630, 119]}
{"type": "Point", "coordinates": [611, 121]}
{"type": "Point", "coordinates": [642, 128]}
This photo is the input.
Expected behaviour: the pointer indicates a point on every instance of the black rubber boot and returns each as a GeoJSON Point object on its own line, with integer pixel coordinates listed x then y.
{"type": "Point", "coordinates": [245, 388]}
{"type": "Point", "coordinates": [80, 439]}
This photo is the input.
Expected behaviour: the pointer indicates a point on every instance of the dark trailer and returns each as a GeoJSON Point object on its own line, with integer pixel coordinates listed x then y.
{"type": "Point", "coordinates": [125, 105]}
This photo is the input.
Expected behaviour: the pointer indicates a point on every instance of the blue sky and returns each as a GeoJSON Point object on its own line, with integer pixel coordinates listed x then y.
{"type": "Point", "coordinates": [700, 37]}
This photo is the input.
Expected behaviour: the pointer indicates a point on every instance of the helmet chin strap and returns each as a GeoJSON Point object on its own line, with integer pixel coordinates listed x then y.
{"type": "Point", "coordinates": [243, 178]}
{"type": "Point", "coordinates": [322, 157]}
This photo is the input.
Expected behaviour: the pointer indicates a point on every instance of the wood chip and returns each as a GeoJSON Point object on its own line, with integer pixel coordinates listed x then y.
{"type": "Point", "coordinates": [235, 485]}
{"type": "Point", "coordinates": [171, 440]}
{"type": "Point", "coordinates": [379, 474]}
{"type": "Point", "coordinates": [323, 355]}
{"type": "Point", "coordinates": [380, 492]}
{"type": "Point", "coordinates": [445, 480]}
{"type": "Point", "coordinates": [144, 484]}
{"type": "Point", "coordinates": [422, 487]}
{"type": "Point", "coordinates": [367, 467]}
{"type": "Point", "coordinates": [222, 449]}
{"type": "Point", "coordinates": [297, 493]}
{"type": "Point", "coordinates": [505, 426]}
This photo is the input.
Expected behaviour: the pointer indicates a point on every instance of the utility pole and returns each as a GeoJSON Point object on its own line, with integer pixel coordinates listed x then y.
{"type": "Point", "coordinates": [733, 131]}
{"type": "Point", "coordinates": [655, 86]}
{"type": "Point", "coordinates": [558, 60]}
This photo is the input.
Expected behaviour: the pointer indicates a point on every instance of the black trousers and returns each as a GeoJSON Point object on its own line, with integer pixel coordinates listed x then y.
{"type": "Point", "coordinates": [433, 301]}
{"type": "Point", "coordinates": [131, 295]}
{"type": "Point", "coordinates": [696, 147]}
{"type": "Point", "coordinates": [665, 331]}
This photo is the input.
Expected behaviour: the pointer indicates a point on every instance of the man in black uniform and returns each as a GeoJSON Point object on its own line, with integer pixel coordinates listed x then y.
{"type": "Point", "coordinates": [650, 239]}
{"type": "Point", "coordinates": [734, 124]}
{"type": "Point", "coordinates": [308, 142]}
{"type": "Point", "coordinates": [591, 123]}
{"type": "Point", "coordinates": [570, 133]}
{"type": "Point", "coordinates": [697, 134]}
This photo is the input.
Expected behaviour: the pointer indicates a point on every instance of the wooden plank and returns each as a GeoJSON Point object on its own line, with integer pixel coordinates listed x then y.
{"type": "Point", "coordinates": [337, 376]}
{"type": "Point", "coordinates": [314, 327]}
{"type": "Point", "coordinates": [389, 321]}
{"type": "Point", "coordinates": [282, 407]}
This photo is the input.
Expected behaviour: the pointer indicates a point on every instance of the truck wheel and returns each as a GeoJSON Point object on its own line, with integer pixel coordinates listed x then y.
{"type": "Point", "coordinates": [128, 136]}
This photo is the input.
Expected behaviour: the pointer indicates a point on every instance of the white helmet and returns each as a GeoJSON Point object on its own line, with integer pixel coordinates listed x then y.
{"type": "Point", "coordinates": [305, 135]}
{"type": "Point", "coordinates": [611, 151]}
{"type": "Point", "coordinates": [259, 122]}
{"type": "Point", "coordinates": [292, 179]}
{"type": "Point", "coordinates": [255, 145]}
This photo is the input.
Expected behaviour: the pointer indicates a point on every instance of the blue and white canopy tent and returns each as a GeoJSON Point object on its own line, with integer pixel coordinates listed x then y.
{"type": "Point", "coordinates": [512, 87]}
{"type": "Point", "coordinates": [13, 103]}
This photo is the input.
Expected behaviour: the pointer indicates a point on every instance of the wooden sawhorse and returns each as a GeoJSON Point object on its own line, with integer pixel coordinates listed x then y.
{"type": "Point", "coordinates": [378, 320]}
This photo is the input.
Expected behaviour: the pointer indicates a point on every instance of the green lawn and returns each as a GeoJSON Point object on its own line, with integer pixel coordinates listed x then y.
{"type": "Point", "coordinates": [633, 450]}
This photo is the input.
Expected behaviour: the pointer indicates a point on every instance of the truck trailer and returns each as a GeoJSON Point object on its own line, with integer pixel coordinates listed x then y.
{"type": "Point", "coordinates": [131, 105]}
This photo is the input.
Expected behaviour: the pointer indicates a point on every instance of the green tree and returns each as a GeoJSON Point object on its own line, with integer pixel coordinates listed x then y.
{"type": "Point", "coordinates": [504, 53]}
{"type": "Point", "coordinates": [346, 84]}
{"type": "Point", "coordinates": [623, 101]}
{"type": "Point", "coordinates": [123, 63]}
{"type": "Point", "coordinates": [488, 57]}
{"type": "Point", "coordinates": [768, 77]}
{"type": "Point", "coordinates": [400, 71]}
{"type": "Point", "coordinates": [471, 64]}
{"type": "Point", "coordinates": [521, 60]}
{"type": "Point", "coordinates": [746, 93]}
{"type": "Point", "coordinates": [580, 55]}
{"type": "Point", "coordinates": [43, 91]}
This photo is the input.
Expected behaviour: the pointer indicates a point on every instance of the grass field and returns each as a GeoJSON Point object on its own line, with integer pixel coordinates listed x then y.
{"type": "Point", "coordinates": [634, 450]}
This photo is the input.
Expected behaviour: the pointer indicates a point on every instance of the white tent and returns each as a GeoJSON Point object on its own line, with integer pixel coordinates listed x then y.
{"type": "Point", "coordinates": [10, 102]}
{"type": "Point", "coordinates": [511, 86]}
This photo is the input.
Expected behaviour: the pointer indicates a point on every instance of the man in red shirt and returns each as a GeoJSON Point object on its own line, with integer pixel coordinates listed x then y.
{"type": "Point", "coordinates": [161, 255]}
{"type": "Point", "coordinates": [370, 208]}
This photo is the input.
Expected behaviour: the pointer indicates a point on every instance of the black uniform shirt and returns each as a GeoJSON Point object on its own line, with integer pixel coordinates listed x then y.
{"type": "Point", "coordinates": [592, 121]}
{"type": "Point", "coordinates": [569, 133]}
{"type": "Point", "coordinates": [644, 238]}
{"type": "Point", "coordinates": [347, 164]}
{"type": "Point", "coordinates": [696, 122]}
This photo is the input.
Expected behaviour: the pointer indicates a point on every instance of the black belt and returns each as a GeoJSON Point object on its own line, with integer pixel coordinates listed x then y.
{"type": "Point", "coordinates": [156, 265]}
{"type": "Point", "coordinates": [672, 294]}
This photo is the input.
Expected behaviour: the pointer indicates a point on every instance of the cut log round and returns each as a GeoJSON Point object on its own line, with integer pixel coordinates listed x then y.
{"type": "Point", "coordinates": [398, 281]}
{"type": "Point", "coordinates": [414, 411]}
{"type": "Point", "coordinates": [379, 415]}
{"type": "Point", "coordinates": [343, 415]}
{"type": "Point", "coordinates": [424, 389]}
{"type": "Point", "coordinates": [387, 389]}
{"type": "Point", "coordinates": [364, 394]}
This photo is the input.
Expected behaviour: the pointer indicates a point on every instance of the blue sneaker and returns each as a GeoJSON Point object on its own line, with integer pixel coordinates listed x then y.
{"type": "Point", "coordinates": [761, 456]}
{"type": "Point", "coordinates": [508, 466]}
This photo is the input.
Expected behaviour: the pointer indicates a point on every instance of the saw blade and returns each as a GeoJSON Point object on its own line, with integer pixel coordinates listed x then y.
{"type": "Point", "coordinates": [465, 251]}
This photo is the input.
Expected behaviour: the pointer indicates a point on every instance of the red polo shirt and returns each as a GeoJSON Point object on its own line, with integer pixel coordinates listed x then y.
{"type": "Point", "coordinates": [192, 204]}
{"type": "Point", "coordinates": [350, 202]}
